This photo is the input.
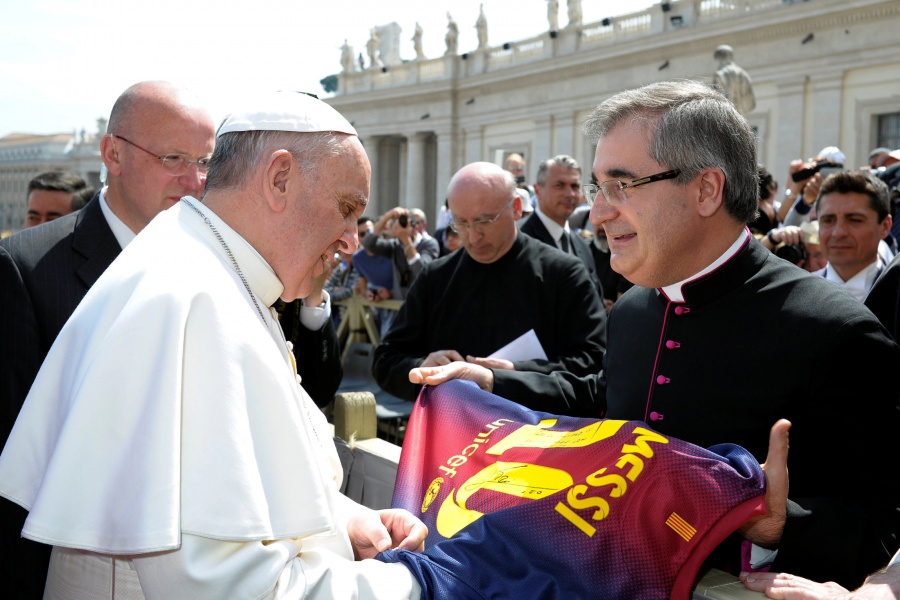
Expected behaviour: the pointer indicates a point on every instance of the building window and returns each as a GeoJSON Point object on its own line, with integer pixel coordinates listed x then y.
{"type": "Point", "coordinates": [889, 131]}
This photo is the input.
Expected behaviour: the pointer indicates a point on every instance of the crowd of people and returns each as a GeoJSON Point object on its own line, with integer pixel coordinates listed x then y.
{"type": "Point", "coordinates": [175, 335]}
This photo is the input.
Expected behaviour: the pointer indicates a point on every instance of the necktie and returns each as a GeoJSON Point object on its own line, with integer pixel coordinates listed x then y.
{"type": "Point", "coordinates": [564, 242]}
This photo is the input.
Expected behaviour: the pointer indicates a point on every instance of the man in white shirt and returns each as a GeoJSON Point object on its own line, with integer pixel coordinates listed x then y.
{"type": "Point", "coordinates": [853, 211]}
{"type": "Point", "coordinates": [166, 448]}
{"type": "Point", "coordinates": [558, 193]}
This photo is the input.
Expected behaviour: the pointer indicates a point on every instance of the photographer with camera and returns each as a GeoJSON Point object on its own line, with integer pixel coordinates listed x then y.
{"type": "Point", "coordinates": [797, 245]}
{"type": "Point", "coordinates": [804, 179]}
{"type": "Point", "coordinates": [396, 236]}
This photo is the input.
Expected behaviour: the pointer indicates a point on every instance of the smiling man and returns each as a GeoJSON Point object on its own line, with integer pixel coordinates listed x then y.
{"type": "Point", "coordinates": [677, 172]}
{"type": "Point", "coordinates": [853, 211]}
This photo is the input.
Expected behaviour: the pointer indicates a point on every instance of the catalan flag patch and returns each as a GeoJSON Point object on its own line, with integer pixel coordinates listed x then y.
{"type": "Point", "coordinates": [681, 527]}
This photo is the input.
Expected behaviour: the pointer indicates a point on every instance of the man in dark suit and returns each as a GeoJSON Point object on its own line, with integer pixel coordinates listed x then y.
{"type": "Point", "coordinates": [884, 298]}
{"type": "Point", "coordinates": [677, 172]}
{"type": "Point", "coordinates": [558, 191]}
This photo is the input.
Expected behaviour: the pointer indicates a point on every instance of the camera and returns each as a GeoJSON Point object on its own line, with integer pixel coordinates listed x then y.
{"type": "Point", "coordinates": [825, 166]}
{"type": "Point", "coordinates": [793, 253]}
{"type": "Point", "coordinates": [403, 220]}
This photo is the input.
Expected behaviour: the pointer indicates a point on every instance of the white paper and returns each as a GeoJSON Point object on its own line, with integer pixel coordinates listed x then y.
{"type": "Point", "coordinates": [525, 347]}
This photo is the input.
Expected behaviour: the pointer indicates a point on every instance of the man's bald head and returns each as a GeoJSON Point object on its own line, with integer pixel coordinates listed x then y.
{"type": "Point", "coordinates": [483, 201]}
{"type": "Point", "coordinates": [483, 175]}
{"type": "Point", "coordinates": [150, 120]}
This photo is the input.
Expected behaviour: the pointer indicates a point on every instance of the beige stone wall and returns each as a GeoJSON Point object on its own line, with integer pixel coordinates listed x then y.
{"type": "Point", "coordinates": [533, 95]}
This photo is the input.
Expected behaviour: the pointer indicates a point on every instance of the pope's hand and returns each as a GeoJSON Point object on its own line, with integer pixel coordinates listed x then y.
{"type": "Point", "coordinates": [372, 532]}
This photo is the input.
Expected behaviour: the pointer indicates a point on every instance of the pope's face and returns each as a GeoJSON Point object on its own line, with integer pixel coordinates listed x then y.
{"type": "Point", "coordinates": [322, 218]}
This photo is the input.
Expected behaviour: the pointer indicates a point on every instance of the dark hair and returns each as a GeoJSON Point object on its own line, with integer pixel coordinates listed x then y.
{"type": "Point", "coordinates": [767, 183]}
{"type": "Point", "coordinates": [63, 181]}
{"type": "Point", "coordinates": [860, 182]}
{"type": "Point", "coordinates": [690, 127]}
{"type": "Point", "coordinates": [563, 160]}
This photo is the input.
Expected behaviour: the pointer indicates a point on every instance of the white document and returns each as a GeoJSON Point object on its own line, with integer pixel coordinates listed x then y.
{"type": "Point", "coordinates": [525, 347]}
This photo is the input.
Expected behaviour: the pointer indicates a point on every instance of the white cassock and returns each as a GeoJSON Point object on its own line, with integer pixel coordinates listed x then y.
{"type": "Point", "coordinates": [166, 436]}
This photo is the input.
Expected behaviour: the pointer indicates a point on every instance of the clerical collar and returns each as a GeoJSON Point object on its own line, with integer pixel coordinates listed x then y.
{"type": "Point", "coordinates": [552, 226]}
{"type": "Point", "coordinates": [259, 275]}
{"type": "Point", "coordinates": [120, 230]}
{"type": "Point", "coordinates": [674, 292]}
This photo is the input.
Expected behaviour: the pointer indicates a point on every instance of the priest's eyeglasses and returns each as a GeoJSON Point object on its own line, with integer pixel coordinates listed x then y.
{"type": "Point", "coordinates": [478, 225]}
{"type": "Point", "coordinates": [175, 165]}
{"type": "Point", "coordinates": [614, 190]}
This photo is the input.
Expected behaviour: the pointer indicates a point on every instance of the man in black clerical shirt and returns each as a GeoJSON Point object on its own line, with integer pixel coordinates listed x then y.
{"type": "Point", "coordinates": [503, 287]}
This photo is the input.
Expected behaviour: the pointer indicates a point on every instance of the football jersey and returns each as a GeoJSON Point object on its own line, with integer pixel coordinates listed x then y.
{"type": "Point", "coordinates": [525, 504]}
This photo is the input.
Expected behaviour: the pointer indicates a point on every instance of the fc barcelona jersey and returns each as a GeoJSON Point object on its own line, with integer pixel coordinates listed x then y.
{"type": "Point", "coordinates": [524, 504]}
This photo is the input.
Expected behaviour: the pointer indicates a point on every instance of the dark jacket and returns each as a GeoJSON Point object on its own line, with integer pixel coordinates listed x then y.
{"type": "Point", "coordinates": [692, 370]}
{"type": "Point", "coordinates": [457, 303]}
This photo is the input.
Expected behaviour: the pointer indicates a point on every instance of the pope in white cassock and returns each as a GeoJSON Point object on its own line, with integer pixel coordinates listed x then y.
{"type": "Point", "coordinates": [166, 449]}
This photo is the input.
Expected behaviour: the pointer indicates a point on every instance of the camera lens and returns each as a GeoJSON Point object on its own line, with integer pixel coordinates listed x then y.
{"type": "Point", "coordinates": [403, 220]}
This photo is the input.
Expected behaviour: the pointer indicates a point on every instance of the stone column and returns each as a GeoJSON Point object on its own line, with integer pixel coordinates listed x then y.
{"type": "Point", "coordinates": [415, 171]}
{"type": "Point", "coordinates": [370, 143]}
{"type": "Point", "coordinates": [445, 167]}
{"type": "Point", "coordinates": [827, 92]}
{"type": "Point", "coordinates": [543, 143]}
{"type": "Point", "coordinates": [564, 135]}
{"type": "Point", "coordinates": [473, 144]}
{"type": "Point", "coordinates": [789, 125]}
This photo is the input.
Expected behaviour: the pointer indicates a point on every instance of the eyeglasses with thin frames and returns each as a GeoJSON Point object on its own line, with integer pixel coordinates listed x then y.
{"type": "Point", "coordinates": [614, 190]}
{"type": "Point", "coordinates": [175, 165]}
{"type": "Point", "coordinates": [478, 225]}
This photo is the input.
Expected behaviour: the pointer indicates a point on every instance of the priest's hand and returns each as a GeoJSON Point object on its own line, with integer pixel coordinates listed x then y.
{"type": "Point", "coordinates": [766, 530]}
{"type": "Point", "coordinates": [441, 358]}
{"type": "Point", "coordinates": [372, 532]}
{"type": "Point", "coordinates": [492, 363]}
{"type": "Point", "coordinates": [456, 370]}
{"type": "Point", "coordinates": [880, 586]}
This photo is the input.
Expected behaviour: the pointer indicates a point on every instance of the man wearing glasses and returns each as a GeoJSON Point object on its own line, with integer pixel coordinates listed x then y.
{"type": "Point", "coordinates": [677, 170]}
{"type": "Point", "coordinates": [502, 285]}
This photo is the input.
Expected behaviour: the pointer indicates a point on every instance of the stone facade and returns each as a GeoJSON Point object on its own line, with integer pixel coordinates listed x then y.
{"type": "Point", "coordinates": [823, 73]}
{"type": "Point", "coordinates": [25, 155]}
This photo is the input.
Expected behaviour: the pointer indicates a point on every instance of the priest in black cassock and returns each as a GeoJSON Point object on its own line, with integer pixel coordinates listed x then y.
{"type": "Point", "coordinates": [470, 304]}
